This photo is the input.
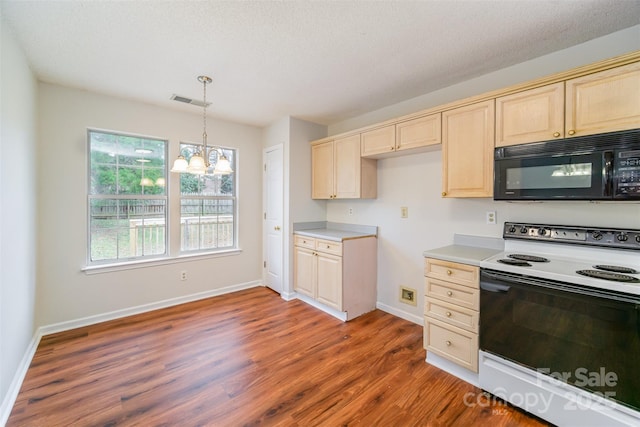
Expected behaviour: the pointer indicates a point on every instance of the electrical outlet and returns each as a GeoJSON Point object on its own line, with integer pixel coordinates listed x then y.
{"type": "Point", "coordinates": [183, 275]}
{"type": "Point", "coordinates": [404, 212]}
{"type": "Point", "coordinates": [350, 211]}
{"type": "Point", "coordinates": [492, 217]}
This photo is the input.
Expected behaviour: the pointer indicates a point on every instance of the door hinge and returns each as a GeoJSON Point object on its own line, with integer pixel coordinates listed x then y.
{"type": "Point", "coordinates": [264, 264]}
{"type": "Point", "coordinates": [265, 215]}
{"type": "Point", "coordinates": [265, 167]}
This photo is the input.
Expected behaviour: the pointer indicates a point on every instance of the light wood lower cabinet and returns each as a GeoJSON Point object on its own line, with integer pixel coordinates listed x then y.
{"type": "Point", "coordinates": [451, 312]}
{"type": "Point", "coordinates": [339, 275]}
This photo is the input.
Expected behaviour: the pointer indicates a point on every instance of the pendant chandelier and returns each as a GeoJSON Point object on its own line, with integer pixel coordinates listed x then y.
{"type": "Point", "coordinates": [199, 162]}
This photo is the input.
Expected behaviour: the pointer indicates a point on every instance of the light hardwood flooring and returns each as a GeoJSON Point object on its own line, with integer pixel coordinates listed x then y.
{"type": "Point", "coordinates": [246, 359]}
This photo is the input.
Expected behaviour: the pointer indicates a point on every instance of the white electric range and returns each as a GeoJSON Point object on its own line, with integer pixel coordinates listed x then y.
{"type": "Point", "coordinates": [560, 323]}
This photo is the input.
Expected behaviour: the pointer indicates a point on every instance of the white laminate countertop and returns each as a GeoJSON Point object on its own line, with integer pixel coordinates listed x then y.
{"type": "Point", "coordinates": [333, 234]}
{"type": "Point", "coordinates": [467, 249]}
{"type": "Point", "coordinates": [471, 255]}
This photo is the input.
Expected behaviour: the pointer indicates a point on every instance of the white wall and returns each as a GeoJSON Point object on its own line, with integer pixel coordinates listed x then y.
{"type": "Point", "coordinates": [65, 292]}
{"type": "Point", "coordinates": [295, 134]}
{"type": "Point", "coordinates": [18, 89]}
{"type": "Point", "coordinates": [415, 181]}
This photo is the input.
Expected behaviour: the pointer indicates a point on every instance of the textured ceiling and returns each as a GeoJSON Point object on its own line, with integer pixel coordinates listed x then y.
{"type": "Point", "coordinates": [323, 61]}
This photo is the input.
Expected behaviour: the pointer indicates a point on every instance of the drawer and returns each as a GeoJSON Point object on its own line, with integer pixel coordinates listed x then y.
{"type": "Point", "coordinates": [452, 314]}
{"type": "Point", "coordinates": [455, 344]}
{"type": "Point", "coordinates": [305, 242]}
{"type": "Point", "coordinates": [329, 246]}
{"type": "Point", "coordinates": [452, 293]}
{"type": "Point", "coordinates": [463, 274]}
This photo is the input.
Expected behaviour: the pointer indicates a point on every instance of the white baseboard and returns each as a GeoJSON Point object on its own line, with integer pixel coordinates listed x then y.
{"type": "Point", "coordinates": [341, 315]}
{"type": "Point", "coordinates": [419, 320]}
{"type": "Point", "coordinates": [18, 378]}
{"type": "Point", "coordinates": [117, 314]}
{"type": "Point", "coordinates": [12, 393]}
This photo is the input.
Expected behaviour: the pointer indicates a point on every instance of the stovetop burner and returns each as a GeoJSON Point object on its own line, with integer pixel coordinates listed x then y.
{"type": "Point", "coordinates": [608, 275]}
{"type": "Point", "coordinates": [616, 269]}
{"type": "Point", "coordinates": [511, 261]}
{"type": "Point", "coordinates": [530, 258]}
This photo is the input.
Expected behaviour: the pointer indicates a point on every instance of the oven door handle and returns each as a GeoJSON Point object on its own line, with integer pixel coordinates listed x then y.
{"type": "Point", "coordinates": [494, 287]}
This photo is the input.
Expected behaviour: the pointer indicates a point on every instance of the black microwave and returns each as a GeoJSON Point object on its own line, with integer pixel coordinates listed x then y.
{"type": "Point", "coordinates": [595, 167]}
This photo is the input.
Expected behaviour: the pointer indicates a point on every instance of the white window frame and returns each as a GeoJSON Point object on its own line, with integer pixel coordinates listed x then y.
{"type": "Point", "coordinates": [90, 197]}
{"type": "Point", "coordinates": [233, 198]}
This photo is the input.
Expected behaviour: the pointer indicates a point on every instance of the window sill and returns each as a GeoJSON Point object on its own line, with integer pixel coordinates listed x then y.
{"type": "Point", "coordinates": [108, 268]}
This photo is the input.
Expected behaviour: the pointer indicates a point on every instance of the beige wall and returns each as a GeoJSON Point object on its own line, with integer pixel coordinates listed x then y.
{"type": "Point", "coordinates": [18, 90]}
{"type": "Point", "coordinates": [415, 181]}
{"type": "Point", "coordinates": [65, 292]}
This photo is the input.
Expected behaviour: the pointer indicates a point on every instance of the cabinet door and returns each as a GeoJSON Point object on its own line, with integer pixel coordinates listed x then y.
{"type": "Point", "coordinates": [604, 102]}
{"type": "Point", "coordinates": [329, 280]}
{"type": "Point", "coordinates": [532, 115]}
{"type": "Point", "coordinates": [420, 132]}
{"type": "Point", "coordinates": [347, 167]}
{"type": "Point", "coordinates": [467, 150]}
{"type": "Point", "coordinates": [304, 266]}
{"type": "Point", "coordinates": [322, 171]}
{"type": "Point", "coordinates": [378, 141]}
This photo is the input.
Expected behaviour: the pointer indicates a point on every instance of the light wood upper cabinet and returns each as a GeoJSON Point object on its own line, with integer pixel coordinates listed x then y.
{"type": "Point", "coordinates": [379, 141]}
{"type": "Point", "coordinates": [408, 135]}
{"type": "Point", "coordinates": [322, 170]}
{"type": "Point", "coordinates": [338, 171]}
{"type": "Point", "coordinates": [420, 132]}
{"type": "Point", "coordinates": [606, 101]}
{"type": "Point", "coordinates": [532, 115]}
{"type": "Point", "coordinates": [467, 150]}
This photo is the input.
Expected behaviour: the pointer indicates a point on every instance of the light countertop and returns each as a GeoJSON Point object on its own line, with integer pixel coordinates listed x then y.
{"type": "Point", "coordinates": [334, 231]}
{"type": "Point", "coordinates": [467, 250]}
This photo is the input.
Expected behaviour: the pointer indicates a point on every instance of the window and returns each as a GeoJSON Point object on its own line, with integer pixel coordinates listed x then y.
{"type": "Point", "coordinates": [207, 206]}
{"type": "Point", "coordinates": [127, 197]}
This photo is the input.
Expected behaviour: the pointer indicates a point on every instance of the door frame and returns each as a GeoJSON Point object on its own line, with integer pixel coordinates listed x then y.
{"type": "Point", "coordinates": [285, 228]}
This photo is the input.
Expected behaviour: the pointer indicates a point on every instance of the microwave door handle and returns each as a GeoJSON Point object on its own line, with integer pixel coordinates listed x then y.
{"type": "Point", "coordinates": [608, 173]}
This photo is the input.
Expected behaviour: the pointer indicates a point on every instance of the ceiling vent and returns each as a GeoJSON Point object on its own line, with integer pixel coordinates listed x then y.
{"type": "Point", "coordinates": [186, 100]}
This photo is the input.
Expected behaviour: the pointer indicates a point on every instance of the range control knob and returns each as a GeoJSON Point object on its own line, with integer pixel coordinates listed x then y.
{"type": "Point", "coordinates": [622, 237]}
{"type": "Point", "coordinates": [596, 235]}
{"type": "Point", "coordinates": [638, 238]}
{"type": "Point", "coordinates": [523, 230]}
{"type": "Point", "coordinates": [542, 231]}
{"type": "Point", "coordinates": [512, 229]}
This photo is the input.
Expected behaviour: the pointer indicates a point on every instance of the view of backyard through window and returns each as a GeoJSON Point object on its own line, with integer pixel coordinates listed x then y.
{"type": "Point", "coordinates": [128, 200]}
{"type": "Point", "coordinates": [127, 197]}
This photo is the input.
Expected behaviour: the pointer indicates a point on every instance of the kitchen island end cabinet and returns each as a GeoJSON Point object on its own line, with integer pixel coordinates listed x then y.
{"type": "Point", "coordinates": [340, 275]}
{"type": "Point", "coordinates": [451, 313]}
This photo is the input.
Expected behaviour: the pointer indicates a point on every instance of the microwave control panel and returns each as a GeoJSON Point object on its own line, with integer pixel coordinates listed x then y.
{"type": "Point", "coordinates": [627, 174]}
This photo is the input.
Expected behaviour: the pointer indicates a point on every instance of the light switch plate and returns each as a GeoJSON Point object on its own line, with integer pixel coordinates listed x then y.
{"type": "Point", "coordinates": [404, 212]}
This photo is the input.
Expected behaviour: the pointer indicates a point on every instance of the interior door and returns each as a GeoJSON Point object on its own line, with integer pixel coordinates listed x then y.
{"type": "Point", "coordinates": [273, 217]}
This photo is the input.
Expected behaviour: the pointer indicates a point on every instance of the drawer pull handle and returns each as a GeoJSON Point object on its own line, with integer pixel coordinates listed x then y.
{"type": "Point", "coordinates": [448, 313]}
{"type": "Point", "coordinates": [448, 343]}
{"type": "Point", "coordinates": [449, 272]}
{"type": "Point", "coordinates": [449, 293]}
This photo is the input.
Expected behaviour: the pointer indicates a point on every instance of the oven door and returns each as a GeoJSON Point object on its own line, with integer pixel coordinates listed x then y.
{"type": "Point", "coordinates": [582, 336]}
{"type": "Point", "coordinates": [551, 177]}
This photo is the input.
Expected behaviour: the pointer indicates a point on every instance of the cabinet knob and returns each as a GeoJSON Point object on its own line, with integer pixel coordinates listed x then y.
{"type": "Point", "coordinates": [449, 272]}
{"type": "Point", "coordinates": [556, 134]}
{"type": "Point", "coordinates": [448, 313]}
{"type": "Point", "coordinates": [448, 343]}
{"type": "Point", "coordinates": [444, 193]}
{"type": "Point", "coordinates": [449, 293]}
{"type": "Point", "coordinates": [328, 247]}
{"type": "Point", "coordinates": [572, 132]}
{"type": "Point", "coordinates": [393, 148]}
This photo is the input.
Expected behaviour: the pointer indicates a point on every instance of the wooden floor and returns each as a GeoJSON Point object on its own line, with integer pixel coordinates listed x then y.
{"type": "Point", "coordinates": [247, 359]}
